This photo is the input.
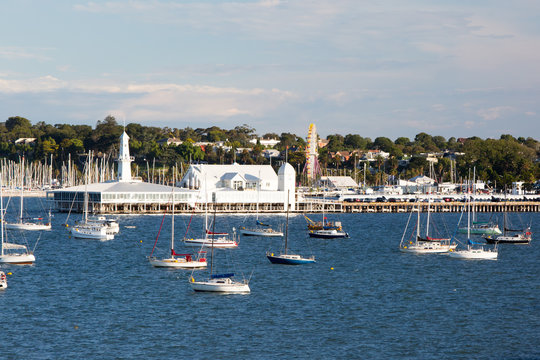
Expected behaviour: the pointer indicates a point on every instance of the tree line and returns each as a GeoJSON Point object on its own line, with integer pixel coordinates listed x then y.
{"type": "Point", "coordinates": [496, 161]}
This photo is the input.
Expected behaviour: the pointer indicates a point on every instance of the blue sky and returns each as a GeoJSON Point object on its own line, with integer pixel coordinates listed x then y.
{"type": "Point", "coordinates": [374, 68]}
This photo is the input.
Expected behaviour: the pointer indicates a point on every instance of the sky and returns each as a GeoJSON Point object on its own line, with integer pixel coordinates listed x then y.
{"type": "Point", "coordinates": [374, 68]}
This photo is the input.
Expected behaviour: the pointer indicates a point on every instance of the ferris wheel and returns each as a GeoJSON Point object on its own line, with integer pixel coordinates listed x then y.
{"type": "Point", "coordinates": [312, 168]}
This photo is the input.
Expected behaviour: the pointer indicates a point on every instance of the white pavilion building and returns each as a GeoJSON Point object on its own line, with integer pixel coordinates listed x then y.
{"type": "Point", "coordinates": [231, 187]}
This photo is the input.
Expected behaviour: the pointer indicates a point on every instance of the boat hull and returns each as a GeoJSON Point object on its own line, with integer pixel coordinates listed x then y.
{"type": "Point", "coordinates": [474, 254]}
{"type": "Point", "coordinates": [247, 232]}
{"type": "Point", "coordinates": [287, 259]}
{"type": "Point", "coordinates": [322, 234]}
{"type": "Point", "coordinates": [209, 243]}
{"type": "Point", "coordinates": [481, 231]}
{"type": "Point", "coordinates": [91, 234]}
{"type": "Point", "coordinates": [28, 226]}
{"type": "Point", "coordinates": [508, 240]}
{"type": "Point", "coordinates": [227, 286]}
{"type": "Point", "coordinates": [17, 259]}
{"type": "Point", "coordinates": [428, 248]}
{"type": "Point", "coordinates": [177, 263]}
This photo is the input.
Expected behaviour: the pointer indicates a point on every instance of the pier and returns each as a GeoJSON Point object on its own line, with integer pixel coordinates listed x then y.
{"type": "Point", "coordinates": [326, 206]}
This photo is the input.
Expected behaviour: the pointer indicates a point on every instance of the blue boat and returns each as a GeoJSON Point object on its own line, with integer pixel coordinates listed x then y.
{"type": "Point", "coordinates": [285, 257]}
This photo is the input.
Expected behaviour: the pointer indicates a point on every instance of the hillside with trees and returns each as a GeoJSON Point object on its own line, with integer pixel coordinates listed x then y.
{"type": "Point", "coordinates": [496, 161]}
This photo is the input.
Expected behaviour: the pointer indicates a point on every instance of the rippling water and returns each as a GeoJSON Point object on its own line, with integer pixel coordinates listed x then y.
{"type": "Point", "coordinates": [362, 299]}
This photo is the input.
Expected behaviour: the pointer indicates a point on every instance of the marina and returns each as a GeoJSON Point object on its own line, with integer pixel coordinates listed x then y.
{"type": "Point", "coordinates": [104, 308]}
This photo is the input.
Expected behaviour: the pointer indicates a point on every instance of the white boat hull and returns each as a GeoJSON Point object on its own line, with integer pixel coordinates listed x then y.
{"type": "Point", "coordinates": [217, 243]}
{"type": "Point", "coordinates": [474, 254]}
{"type": "Point", "coordinates": [255, 232]}
{"type": "Point", "coordinates": [178, 263]}
{"type": "Point", "coordinates": [18, 259]}
{"type": "Point", "coordinates": [226, 285]}
{"type": "Point", "coordinates": [91, 233]}
{"type": "Point", "coordinates": [428, 248]}
{"type": "Point", "coordinates": [27, 226]}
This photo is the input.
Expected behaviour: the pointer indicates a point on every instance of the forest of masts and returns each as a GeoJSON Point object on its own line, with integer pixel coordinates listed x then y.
{"type": "Point", "coordinates": [42, 176]}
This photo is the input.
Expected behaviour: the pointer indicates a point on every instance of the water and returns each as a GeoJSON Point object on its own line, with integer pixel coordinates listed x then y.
{"type": "Point", "coordinates": [87, 299]}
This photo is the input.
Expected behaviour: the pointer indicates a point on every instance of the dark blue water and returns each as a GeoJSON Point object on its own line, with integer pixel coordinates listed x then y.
{"type": "Point", "coordinates": [86, 299]}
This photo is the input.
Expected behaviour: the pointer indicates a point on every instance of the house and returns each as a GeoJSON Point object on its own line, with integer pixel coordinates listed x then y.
{"type": "Point", "coordinates": [237, 183]}
{"type": "Point", "coordinates": [266, 142]}
{"type": "Point", "coordinates": [372, 155]}
{"type": "Point", "coordinates": [170, 141]}
{"type": "Point", "coordinates": [25, 141]}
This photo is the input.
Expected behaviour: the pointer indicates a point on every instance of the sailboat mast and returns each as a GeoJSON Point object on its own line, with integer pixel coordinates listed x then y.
{"type": "Point", "coordinates": [172, 224]}
{"type": "Point", "coordinates": [417, 222]}
{"type": "Point", "coordinates": [86, 195]}
{"type": "Point", "coordinates": [22, 190]}
{"type": "Point", "coordinates": [428, 213]}
{"type": "Point", "coordinates": [213, 234]}
{"type": "Point", "coordinates": [287, 223]}
{"type": "Point", "coordinates": [2, 213]}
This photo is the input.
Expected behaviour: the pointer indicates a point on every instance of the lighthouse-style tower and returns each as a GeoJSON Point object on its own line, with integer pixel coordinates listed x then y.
{"type": "Point", "coordinates": [124, 160]}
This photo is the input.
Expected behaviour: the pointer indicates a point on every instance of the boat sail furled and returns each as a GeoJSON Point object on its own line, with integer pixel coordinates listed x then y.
{"type": "Point", "coordinates": [260, 228]}
{"type": "Point", "coordinates": [12, 253]}
{"type": "Point", "coordinates": [427, 244]}
{"type": "Point", "coordinates": [22, 222]}
{"type": "Point", "coordinates": [183, 261]}
{"type": "Point", "coordinates": [219, 283]}
{"type": "Point", "coordinates": [286, 257]}
{"type": "Point", "coordinates": [474, 250]}
{"type": "Point", "coordinates": [90, 229]}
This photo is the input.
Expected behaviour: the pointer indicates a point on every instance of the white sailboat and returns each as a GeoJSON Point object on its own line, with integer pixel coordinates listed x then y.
{"type": "Point", "coordinates": [215, 240]}
{"type": "Point", "coordinates": [474, 250]}
{"type": "Point", "coordinates": [25, 223]}
{"type": "Point", "coordinates": [183, 261]}
{"type": "Point", "coordinates": [261, 229]}
{"type": "Point", "coordinates": [219, 283]}
{"type": "Point", "coordinates": [87, 229]}
{"type": "Point", "coordinates": [12, 253]}
{"type": "Point", "coordinates": [425, 245]}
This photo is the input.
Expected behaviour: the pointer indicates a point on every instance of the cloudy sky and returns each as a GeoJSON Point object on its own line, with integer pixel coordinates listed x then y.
{"type": "Point", "coordinates": [375, 68]}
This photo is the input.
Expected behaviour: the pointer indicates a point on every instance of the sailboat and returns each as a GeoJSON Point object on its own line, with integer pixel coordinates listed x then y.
{"type": "Point", "coordinates": [286, 257]}
{"type": "Point", "coordinates": [511, 236]}
{"type": "Point", "coordinates": [88, 229]}
{"type": "Point", "coordinates": [3, 280]}
{"type": "Point", "coordinates": [24, 223]}
{"type": "Point", "coordinates": [12, 253]}
{"type": "Point", "coordinates": [261, 229]}
{"type": "Point", "coordinates": [427, 244]}
{"type": "Point", "coordinates": [327, 230]}
{"type": "Point", "coordinates": [219, 283]}
{"type": "Point", "coordinates": [184, 261]}
{"type": "Point", "coordinates": [221, 241]}
{"type": "Point", "coordinates": [474, 251]}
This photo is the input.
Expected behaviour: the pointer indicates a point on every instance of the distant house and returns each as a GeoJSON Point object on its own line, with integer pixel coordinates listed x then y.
{"type": "Point", "coordinates": [372, 155]}
{"type": "Point", "coordinates": [25, 141]}
{"type": "Point", "coordinates": [266, 142]}
{"type": "Point", "coordinates": [170, 141]}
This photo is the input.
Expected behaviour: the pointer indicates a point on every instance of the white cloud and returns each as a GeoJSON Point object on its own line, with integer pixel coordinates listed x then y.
{"type": "Point", "coordinates": [17, 53]}
{"type": "Point", "coordinates": [494, 112]}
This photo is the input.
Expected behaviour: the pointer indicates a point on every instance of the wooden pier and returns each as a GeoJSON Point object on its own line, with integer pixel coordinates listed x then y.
{"type": "Point", "coordinates": [326, 206]}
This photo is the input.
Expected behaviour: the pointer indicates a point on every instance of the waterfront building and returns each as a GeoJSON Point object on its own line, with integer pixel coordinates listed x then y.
{"type": "Point", "coordinates": [218, 184]}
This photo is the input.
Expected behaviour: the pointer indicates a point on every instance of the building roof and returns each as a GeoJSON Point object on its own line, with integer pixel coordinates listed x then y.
{"type": "Point", "coordinates": [340, 181]}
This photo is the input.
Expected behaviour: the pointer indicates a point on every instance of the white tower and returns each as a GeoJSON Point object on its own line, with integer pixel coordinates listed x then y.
{"type": "Point", "coordinates": [287, 184]}
{"type": "Point", "coordinates": [124, 160]}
